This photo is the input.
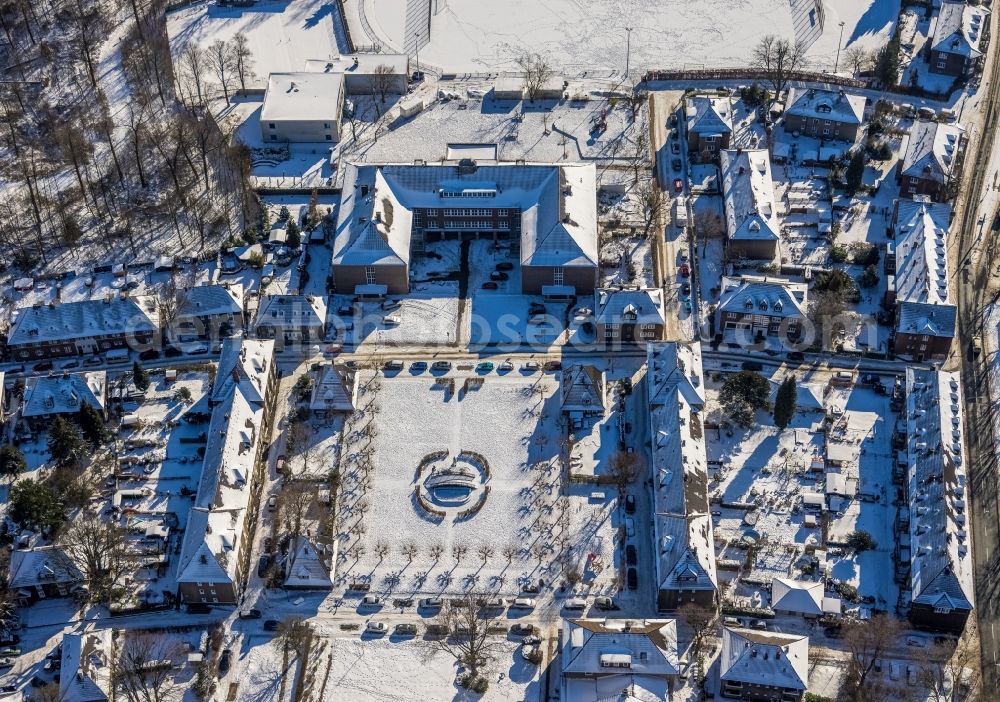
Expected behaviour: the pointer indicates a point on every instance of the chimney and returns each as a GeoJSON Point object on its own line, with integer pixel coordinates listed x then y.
{"type": "Point", "coordinates": [236, 375]}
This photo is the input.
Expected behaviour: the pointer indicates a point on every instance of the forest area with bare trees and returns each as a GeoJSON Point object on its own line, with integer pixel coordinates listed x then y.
{"type": "Point", "coordinates": [102, 157]}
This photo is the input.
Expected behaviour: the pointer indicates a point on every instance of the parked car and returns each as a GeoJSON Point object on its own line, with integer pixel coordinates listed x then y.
{"type": "Point", "coordinates": [553, 365]}
{"type": "Point", "coordinates": [432, 603]}
{"type": "Point", "coordinates": [406, 629]}
{"type": "Point", "coordinates": [418, 366]}
{"type": "Point", "coordinates": [731, 621]}
{"type": "Point", "coordinates": [758, 624]}
{"type": "Point", "coordinates": [605, 603]}
{"type": "Point", "coordinates": [42, 366]}
{"type": "Point", "coordinates": [633, 579]}
{"type": "Point", "coordinates": [484, 367]}
{"type": "Point", "coordinates": [752, 366]}
{"type": "Point", "coordinates": [391, 320]}
{"type": "Point", "coordinates": [505, 367]}
{"type": "Point", "coordinates": [490, 285]}
{"type": "Point", "coordinates": [523, 603]}
{"type": "Point", "coordinates": [250, 614]}
{"type": "Point", "coordinates": [505, 266]}
{"type": "Point", "coordinates": [441, 365]}
{"type": "Point", "coordinates": [149, 355]}
{"type": "Point", "coordinates": [271, 625]}
{"type": "Point", "coordinates": [575, 603]}
{"type": "Point", "coordinates": [499, 275]}
{"type": "Point", "coordinates": [72, 363]}
{"type": "Point", "coordinates": [389, 304]}
{"type": "Point", "coordinates": [371, 601]}
{"type": "Point", "coordinates": [630, 555]}
{"type": "Point", "coordinates": [795, 356]}
{"type": "Point", "coordinates": [376, 627]}
{"type": "Point", "coordinates": [686, 289]}
{"type": "Point", "coordinates": [629, 504]}
{"type": "Point", "coordinates": [676, 164]}
{"type": "Point", "coordinates": [198, 608]}
{"type": "Point", "coordinates": [522, 629]}
{"type": "Point", "coordinates": [531, 366]}
{"type": "Point", "coordinates": [272, 503]}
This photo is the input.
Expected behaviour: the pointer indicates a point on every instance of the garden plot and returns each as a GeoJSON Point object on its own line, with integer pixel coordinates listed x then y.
{"type": "Point", "coordinates": [434, 496]}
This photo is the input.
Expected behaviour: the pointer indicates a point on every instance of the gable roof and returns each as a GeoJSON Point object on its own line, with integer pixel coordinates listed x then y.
{"type": "Point", "coordinates": [768, 659]}
{"type": "Point", "coordinates": [85, 671]}
{"type": "Point", "coordinates": [922, 318]}
{"type": "Point", "coordinates": [85, 319]}
{"type": "Point", "coordinates": [557, 206]}
{"type": "Point", "coordinates": [210, 300]}
{"type": "Point", "coordinates": [941, 564]}
{"type": "Point", "coordinates": [833, 105]}
{"type": "Point", "coordinates": [649, 646]}
{"type": "Point", "coordinates": [612, 305]}
{"type": "Point", "coordinates": [582, 389]}
{"type": "Point", "coordinates": [931, 151]}
{"type": "Point", "coordinates": [41, 566]}
{"type": "Point", "coordinates": [65, 393]}
{"type": "Point", "coordinates": [748, 195]}
{"type": "Point", "coordinates": [800, 596]}
{"type": "Point", "coordinates": [921, 234]}
{"type": "Point", "coordinates": [307, 569]}
{"type": "Point", "coordinates": [959, 29]}
{"type": "Point", "coordinates": [775, 297]}
{"type": "Point", "coordinates": [709, 115]}
{"type": "Point", "coordinates": [335, 389]}
{"type": "Point", "coordinates": [291, 312]}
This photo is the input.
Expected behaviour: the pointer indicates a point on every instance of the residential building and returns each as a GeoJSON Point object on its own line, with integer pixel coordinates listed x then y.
{"type": "Point", "coordinates": [389, 213]}
{"type": "Point", "coordinates": [628, 316]}
{"type": "Point", "coordinates": [601, 658]}
{"type": "Point", "coordinates": [748, 195]}
{"type": "Point", "coordinates": [367, 74]}
{"type": "Point", "coordinates": [86, 327]}
{"type": "Point", "coordinates": [761, 306]}
{"type": "Point", "coordinates": [307, 568]}
{"type": "Point", "coordinates": [709, 124]}
{"type": "Point", "coordinates": [85, 666]}
{"type": "Point", "coordinates": [583, 390]}
{"type": "Point", "coordinates": [291, 320]}
{"type": "Point", "coordinates": [335, 389]}
{"type": "Point", "coordinates": [761, 665]}
{"type": "Point", "coordinates": [684, 555]}
{"type": "Point", "coordinates": [918, 288]}
{"type": "Point", "coordinates": [208, 312]}
{"type": "Point", "coordinates": [42, 573]}
{"type": "Point", "coordinates": [959, 38]}
{"type": "Point", "coordinates": [64, 393]}
{"type": "Point", "coordinates": [825, 114]}
{"type": "Point", "coordinates": [941, 576]}
{"type": "Point", "coordinates": [802, 597]}
{"type": "Point", "coordinates": [218, 539]}
{"type": "Point", "coordinates": [931, 161]}
{"type": "Point", "coordinates": [302, 107]}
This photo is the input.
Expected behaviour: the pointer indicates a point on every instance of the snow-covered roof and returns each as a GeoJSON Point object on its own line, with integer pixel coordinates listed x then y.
{"type": "Point", "coordinates": [708, 115]}
{"type": "Point", "coordinates": [927, 319]}
{"type": "Point", "coordinates": [41, 566]}
{"type": "Point", "coordinates": [931, 151]}
{"type": "Point", "coordinates": [291, 312]}
{"type": "Point", "coordinates": [833, 105]}
{"type": "Point", "coordinates": [685, 557]}
{"type": "Point", "coordinates": [85, 670]}
{"type": "Point", "coordinates": [335, 389]}
{"type": "Point", "coordinates": [64, 393]}
{"type": "Point", "coordinates": [959, 29]}
{"type": "Point", "coordinates": [765, 658]}
{"type": "Point", "coordinates": [583, 389]}
{"type": "Point", "coordinates": [921, 255]}
{"type": "Point", "coordinates": [306, 567]}
{"type": "Point", "coordinates": [557, 205]}
{"type": "Point", "coordinates": [774, 297]}
{"type": "Point", "coordinates": [597, 647]}
{"type": "Point", "coordinates": [941, 567]}
{"type": "Point", "coordinates": [799, 596]}
{"type": "Point", "coordinates": [632, 306]}
{"type": "Point", "coordinates": [211, 300]}
{"type": "Point", "coordinates": [303, 97]}
{"type": "Point", "coordinates": [85, 319]}
{"type": "Point", "coordinates": [360, 64]}
{"type": "Point", "coordinates": [215, 522]}
{"type": "Point", "coordinates": [748, 194]}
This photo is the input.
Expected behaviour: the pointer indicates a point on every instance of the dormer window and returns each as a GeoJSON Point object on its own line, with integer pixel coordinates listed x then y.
{"type": "Point", "coordinates": [823, 109]}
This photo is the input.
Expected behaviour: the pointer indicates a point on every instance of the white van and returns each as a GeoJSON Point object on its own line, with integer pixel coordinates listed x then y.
{"type": "Point", "coordinates": [681, 211]}
{"type": "Point", "coordinates": [523, 603]}
{"type": "Point", "coordinates": [575, 603]}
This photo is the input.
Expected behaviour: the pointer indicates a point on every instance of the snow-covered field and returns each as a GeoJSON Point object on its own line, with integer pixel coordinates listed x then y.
{"type": "Point", "coordinates": [591, 35]}
{"type": "Point", "coordinates": [386, 671]}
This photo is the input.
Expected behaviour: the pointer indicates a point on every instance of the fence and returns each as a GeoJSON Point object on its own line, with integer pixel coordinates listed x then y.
{"type": "Point", "coordinates": [748, 74]}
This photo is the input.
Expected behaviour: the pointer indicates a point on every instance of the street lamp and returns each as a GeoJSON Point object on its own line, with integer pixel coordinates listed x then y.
{"type": "Point", "coordinates": [418, 52]}
{"type": "Point", "coordinates": [840, 42]}
{"type": "Point", "coordinates": [628, 48]}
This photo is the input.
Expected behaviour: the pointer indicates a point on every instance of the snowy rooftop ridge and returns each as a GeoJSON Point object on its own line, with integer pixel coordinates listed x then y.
{"type": "Point", "coordinates": [799, 596]}
{"type": "Point", "coordinates": [709, 115]}
{"type": "Point", "coordinates": [215, 523]}
{"type": "Point", "coordinates": [583, 389]}
{"type": "Point", "coordinates": [291, 312]}
{"type": "Point", "coordinates": [931, 151]}
{"type": "Point", "coordinates": [208, 300]}
{"type": "Point", "coordinates": [941, 568]}
{"type": "Point", "coordinates": [748, 193]}
{"type": "Point", "coordinates": [685, 556]}
{"type": "Point", "coordinates": [85, 319]}
{"type": "Point", "coordinates": [837, 106]}
{"type": "Point", "coordinates": [336, 389]}
{"type": "Point", "coordinates": [639, 306]}
{"type": "Point", "coordinates": [306, 568]}
{"type": "Point", "coordinates": [642, 647]}
{"type": "Point", "coordinates": [775, 297]}
{"type": "Point", "coordinates": [557, 206]}
{"type": "Point", "coordinates": [64, 393]}
{"type": "Point", "coordinates": [765, 658]}
{"type": "Point", "coordinates": [85, 670]}
{"type": "Point", "coordinates": [921, 256]}
{"type": "Point", "coordinates": [959, 29]}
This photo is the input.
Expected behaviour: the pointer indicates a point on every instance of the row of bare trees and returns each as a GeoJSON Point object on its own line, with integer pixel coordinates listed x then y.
{"type": "Point", "coordinates": [230, 63]}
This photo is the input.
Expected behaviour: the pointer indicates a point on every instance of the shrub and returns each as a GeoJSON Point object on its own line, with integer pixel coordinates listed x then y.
{"type": "Point", "coordinates": [838, 254]}
{"type": "Point", "coordinates": [861, 541]}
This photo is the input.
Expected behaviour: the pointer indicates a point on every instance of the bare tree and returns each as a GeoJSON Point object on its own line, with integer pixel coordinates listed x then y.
{"type": "Point", "coordinates": [242, 59]}
{"type": "Point", "coordinates": [708, 224]}
{"type": "Point", "coordinates": [220, 60]}
{"type": "Point", "coordinates": [485, 552]}
{"type": "Point", "coordinates": [652, 201]}
{"type": "Point", "coordinates": [777, 59]}
{"type": "Point", "coordinates": [855, 57]}
{"type": "Point", "coordinates": [382, 81]}
{"type": "Point", "coordinates": [537, 73]}
{"type": "Point", "coordinates": [458, 552]}
{"type": "Point", "coordinates": [951, 672]}
{"type": "Point", "coordinates": [509, 552]}
{"type": "Point", "coordinates": [409, 550]}
{"type": "Point", "coordinates": [436, 551]}
{"type": "Point", "coordinates": [294, 502]}
{"type": "Point", "coordinates": [867, 642]}
{"type": "Point", "coordinates": [700, 619]}
{"type": "Point", "coordinates": [101, 551]}
{"type": "Point", "coordinates": [144, 666]}
{"type": "Point", "coordinates": [193, 66]}
{"type": "Point", "coordinates": [299, 441]}
{"type": "Point", "coordinates": [294, 634]}
{"type": "Point", "coordinates": [381, 550]}
{"type": "Point", "coordinates": [471, 645]}
{"type": "Point", "coordinates": [624, 469]}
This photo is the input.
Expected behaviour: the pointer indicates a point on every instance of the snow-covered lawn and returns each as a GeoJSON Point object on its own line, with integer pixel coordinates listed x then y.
{"type": "Point", "coordinates": [261, 666]}
{"type": "Point", "coordinates": [386, 671]}
{"type": "Point", "coordinates": [469, 35]}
